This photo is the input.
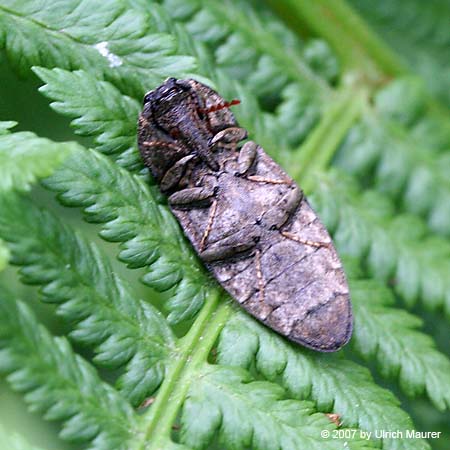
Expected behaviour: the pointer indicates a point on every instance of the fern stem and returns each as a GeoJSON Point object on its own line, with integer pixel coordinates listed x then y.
{"type": "Point", "coordinates": [348, 34]}
{"type": "Point", "coordinates": [318, 150]}
{"type": "Point", "coordinates": [193, 352]}
{"type": "Point", "coordinates": [359, 48]}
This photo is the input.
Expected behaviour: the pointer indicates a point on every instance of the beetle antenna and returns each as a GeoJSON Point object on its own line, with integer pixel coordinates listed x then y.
{"type": "Point", "coordinates": [220, 106]}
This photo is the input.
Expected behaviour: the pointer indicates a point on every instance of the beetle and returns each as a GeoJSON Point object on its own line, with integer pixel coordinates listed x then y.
{"type": "Point", "coordinates": [248, 221]}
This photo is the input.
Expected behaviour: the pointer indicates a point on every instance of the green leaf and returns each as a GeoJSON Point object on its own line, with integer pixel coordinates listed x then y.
{"type": "Point", "coordinates": [4, 255]}
{"type": "Point", "coordinates": [107, 39]}
{"type": "Point", "coordinates": [225, 400]}
{"type": "Point", "coordinates": [98, 109]}
{"type": "Point", "coordinates": [419, 36]}
{"type": "Point", "coordinates": [334, 384]}
{"type": "Point", "coordinates": [102, 308]}
{"type": "Point", "coordinates": [59, 383]}
{"type": "Point", "coordinates": [24, 158]}
{"type": "Point", "coordinates": [5, 126]}
{"type": "Point", "coordinates": [400, 148]}
{"type": "Point", "coordinates": [149, 235]}
{"type": "Point", "coordinates": [274, 66]}
{"type": "Point", "coordinates": [391, 336]}
{"type": "Point", "coordinates": [395, 249]}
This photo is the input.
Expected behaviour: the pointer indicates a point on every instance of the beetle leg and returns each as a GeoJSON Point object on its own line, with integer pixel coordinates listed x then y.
{"type": "Point", "coordinates": [172, 177]}
{"type": "Point", "coordinates": [229, 137]}
{"type": "Point", "coordinates": [191, 195]}
{"type": "Point", "coordinates": [212, 214]}
{"type": "Point", "coordinates": [200, 194]}
{"type": "Point", "coordinates": [246, 157]}
{"type": "Point", "coordinates": [277, 216]}
{"type": "Point", "coordinates": [295, 238]}
{"type": "Point", "coordinates": [238, 242]}
{"type": "Point", "coordinates": [259, 275]}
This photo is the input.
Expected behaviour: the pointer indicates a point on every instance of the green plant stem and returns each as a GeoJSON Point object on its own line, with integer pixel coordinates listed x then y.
{"type": "Point", "coordinates": [193, 352]}
{"type": "Point", "coordinates": [360, 50]}
{"type": "Point", "coordinates": [318, 150]}
{"type": "Point", "coordinates": [4, 255]}
{"type": "Point", "coordinates": [352, 39]}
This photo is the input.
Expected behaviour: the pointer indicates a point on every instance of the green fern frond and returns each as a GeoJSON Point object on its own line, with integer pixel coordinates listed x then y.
{"type": "Point", "coordinates": [99, 109]}
{"type": "Point", "coordinates": [227, 401]}
{"type": "Point", "coordinates": [420, 35]}
{"type": "Point", "coordinates": [59, 383]}
{"type": "Point", "coordinates": [109, 40]}
{"type": "Point", "coordinates": [255, 390]}
{"type": "Point", "coordinates": [402, 150]}
{"type": "Point", "coordinates": [395, 249]}
{"type": "Point", "coordinates": [360, 402]}
{"type": "Point", "coordinates": [294, 80]}
{"type": "Point", "coordinates": [105, 314]}
{"type": "Point", "coordinates": [149, 235]}
{"type": "Point", "coordinates": [391, 335]}
{"type": "Point", "coordinates": [237, 32]}
{"type": "Point", "coordinates": [24, 158]}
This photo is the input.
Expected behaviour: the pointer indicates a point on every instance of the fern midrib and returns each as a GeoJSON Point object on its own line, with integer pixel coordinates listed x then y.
{"type": "Point", "coordinates": [350, 36]}
{"type": "Point", "coordinates": [317, 151]}
{"type": "Point", "coordinates": [193, 352]}
{"type": "Point", "coordinates": [358, 46]}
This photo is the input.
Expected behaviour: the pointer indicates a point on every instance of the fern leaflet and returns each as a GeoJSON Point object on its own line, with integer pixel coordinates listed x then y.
{"type": "Point", "coordinates": [103, 309]}
{"type": "Point", "coordinates": [360, 402]}
{"type": "Point", "coordinates": [402, 351]}
{"type": "Point", "coordinates": [60, 383]}
{"type": "Point", "coordinates": [24, 158]}
{"type": "Point", "coordinates": [149, 234]}
{"type": "Point", "coordinates": [90, 35]}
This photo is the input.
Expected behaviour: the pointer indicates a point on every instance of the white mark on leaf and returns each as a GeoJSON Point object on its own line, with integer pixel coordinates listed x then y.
{"type": "Point", "coordinates": [102, 48]}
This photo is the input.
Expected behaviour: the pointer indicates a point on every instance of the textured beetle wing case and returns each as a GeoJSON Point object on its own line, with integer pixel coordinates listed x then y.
{"type": "Point", "coordinates": [306, 296]}
{"type": "Point", "coordinates": [248, 221]}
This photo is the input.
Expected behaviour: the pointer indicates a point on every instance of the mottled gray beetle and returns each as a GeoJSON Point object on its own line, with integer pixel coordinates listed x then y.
{"type": "Point", "coordinates": [248, 221]}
